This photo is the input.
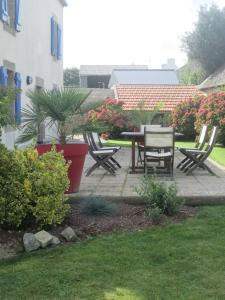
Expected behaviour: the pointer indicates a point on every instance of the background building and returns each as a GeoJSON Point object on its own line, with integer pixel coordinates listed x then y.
{"type": "Point", "coordinates": [98, 76]}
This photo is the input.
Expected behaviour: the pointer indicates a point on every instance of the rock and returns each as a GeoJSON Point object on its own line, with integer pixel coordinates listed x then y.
{"type": "Point", "coordinates": [69, 234]}
{"type": "Point", "coordinates": [44, 238]}
{"type": "Point", "coordinates": [55, 241]}
{"type": "Point", "coordinates": [80, 234]}
{"type": "Point", "coordinates": [30, 242]}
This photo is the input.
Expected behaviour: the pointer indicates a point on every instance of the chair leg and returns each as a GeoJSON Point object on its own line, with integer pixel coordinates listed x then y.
{"type": "Point", "coordinates": [181, 163]}
{"type": "Point", "coordinates": [116, 162]}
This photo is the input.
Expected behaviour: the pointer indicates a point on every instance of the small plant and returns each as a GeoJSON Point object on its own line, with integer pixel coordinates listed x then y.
{"type": "Point", "coordinates": [154, 214]}
{"type": "Point", "coordinates": [157, 195]}
{"type": "Point", "coordinates": [97, 206]}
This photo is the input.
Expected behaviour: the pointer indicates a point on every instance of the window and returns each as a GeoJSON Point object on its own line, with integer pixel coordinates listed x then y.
{"type": "Point", "coordinates": [56, 39]}
{"type": "Point", "coordinates": [10, 15]}
{"type": "Point", "coordinates": [10, 78]}
{"type": "Point", "coordinates": [4, 10]}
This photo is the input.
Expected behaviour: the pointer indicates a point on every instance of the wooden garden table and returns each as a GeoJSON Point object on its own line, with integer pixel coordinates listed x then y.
{"type": "Point", "coordinates": [137, 137]}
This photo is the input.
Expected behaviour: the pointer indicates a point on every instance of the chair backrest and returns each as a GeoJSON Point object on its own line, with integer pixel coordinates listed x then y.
{"type": "Point", "coordinates": [142, 127]}
{"type": "Point", "coordinates": [202, 138]}
{"type": "Point", "coordinates": [96, 140]}
{"type": "Point", "coordinates": [159, 137]}
{"type": "Point", "coordinates": [213, 136]}
{"type": "Point", "coordinates": [212, 141]}
{"type": "Point", "coordinates": [88, 141]}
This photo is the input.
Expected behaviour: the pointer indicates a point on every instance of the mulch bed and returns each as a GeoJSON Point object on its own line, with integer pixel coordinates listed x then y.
{"type": "Point", "coordinates": [128, 217]}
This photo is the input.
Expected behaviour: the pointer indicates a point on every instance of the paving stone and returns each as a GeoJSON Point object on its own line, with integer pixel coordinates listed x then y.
{"type": "Point", "coordinates": [200, 183]}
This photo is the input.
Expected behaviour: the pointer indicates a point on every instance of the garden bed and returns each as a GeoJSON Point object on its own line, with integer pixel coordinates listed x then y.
{"type": "Point", "coordinates": [128, 217]}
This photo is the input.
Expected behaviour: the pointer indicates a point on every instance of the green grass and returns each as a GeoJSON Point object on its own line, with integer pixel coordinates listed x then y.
{"type": "Point", "coordinates": [217, 155]}
{"type": "Point", "coordinates": [121, 143]}
{"type": "Point", "coordinates": [181, 261]}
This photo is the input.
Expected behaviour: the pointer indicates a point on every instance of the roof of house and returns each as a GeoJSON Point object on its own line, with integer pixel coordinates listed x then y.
{"type": "Point", "coordinates": [214, 80]}
{"type": "Point", "coordinates": [106, 69]}
{"type": "Point", "coordinates": [152, 95]}
{"type": "Point", "coordinates": [150, 76]}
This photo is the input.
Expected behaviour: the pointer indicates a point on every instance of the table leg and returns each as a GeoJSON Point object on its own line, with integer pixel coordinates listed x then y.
{"type": "Point", "coordinates": [133, 156]}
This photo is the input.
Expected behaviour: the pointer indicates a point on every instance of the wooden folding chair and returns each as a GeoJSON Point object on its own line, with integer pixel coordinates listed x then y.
{"type": "Point", "coordinates": [197, 158]}
{"type": "Point", "coordinates": [101, 157]}
{"type": "Point", "coordinates": [161, 139]}
{"type": "Point", "coordinates": [199, 146]}
{"type": "Point", "coordinates": [97, 144]}
{"type": "Point", "coordinates": [141, 145]}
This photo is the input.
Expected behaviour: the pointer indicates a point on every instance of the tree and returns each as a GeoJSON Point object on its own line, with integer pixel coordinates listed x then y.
{"type": "Point", "coordinates": [71, 77]}
{"type": "Point", "coordinates": [191, 73]}
{"type": "Point", "coordinates": [206, 43]}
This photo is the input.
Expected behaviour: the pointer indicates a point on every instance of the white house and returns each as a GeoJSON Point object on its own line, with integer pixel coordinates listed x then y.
{"type": "Point", "coordinates": [30, 49]}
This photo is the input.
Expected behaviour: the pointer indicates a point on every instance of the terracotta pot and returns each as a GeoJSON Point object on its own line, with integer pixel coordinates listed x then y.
{"type": "Point", "coordinates": [75, 153]}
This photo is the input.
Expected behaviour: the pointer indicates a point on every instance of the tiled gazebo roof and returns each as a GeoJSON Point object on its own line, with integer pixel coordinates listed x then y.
{"type": "Point", "coordinates": [151, 95]}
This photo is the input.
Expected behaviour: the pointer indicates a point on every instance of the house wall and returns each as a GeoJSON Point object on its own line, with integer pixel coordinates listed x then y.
{"type": "Point", "coordinates": [83, 82]}
{"type": "Point", "coordinates": [29, 51]}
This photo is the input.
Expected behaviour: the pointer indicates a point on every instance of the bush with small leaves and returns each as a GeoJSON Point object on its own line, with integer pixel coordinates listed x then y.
{"type": "Point", "coordinates": [156, 194]}
{"type": "Point", "coordinates": [154, 214]}
{"type": "Point", "coordinates": [32, 188]}
{"type": "Point", "coordinates": [95, 206]}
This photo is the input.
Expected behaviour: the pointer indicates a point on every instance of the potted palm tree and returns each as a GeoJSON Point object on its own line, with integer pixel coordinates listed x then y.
{"type": "Point", "coordinates": [61, 111]}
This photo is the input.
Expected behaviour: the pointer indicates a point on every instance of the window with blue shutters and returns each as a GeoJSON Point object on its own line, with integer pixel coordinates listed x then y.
{"type": "Point", "coordinates": [4, 10]}
{"type": "Point", "coordinates": [17, 79]}
{"type": "Point", "coordinates": [56, 39]}
{"type": "Point", "coordinates": [3, 76]}
{"type": "Point", "coordinates": [10, 11]}
{"type": "Point", "coordinates": [59, 42]}
{"type": "Point", "coordinates": [17, 16]}
{"type": "Point", "coordinates": [8, 78]}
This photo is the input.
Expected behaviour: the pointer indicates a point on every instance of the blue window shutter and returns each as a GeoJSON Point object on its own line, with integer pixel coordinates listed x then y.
{"type": "Point", "coordinates": [17, 79]}
{"type": "Point", "coordinates": [59, 42]}
{"type": "Point", "coordinates": [53, 35]}
{"type": "Point", "coordinates": [3, 76]}
{"type": "Point", "coordinates": [17, 16]}
{"type": "Point", "coordinates": [4, 10]}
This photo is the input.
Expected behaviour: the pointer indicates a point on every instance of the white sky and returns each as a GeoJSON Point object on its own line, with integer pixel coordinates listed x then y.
{"type": "Point", "coordinates": [128, 31]}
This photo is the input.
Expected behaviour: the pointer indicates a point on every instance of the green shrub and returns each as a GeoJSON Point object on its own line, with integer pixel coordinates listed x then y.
{"type": "Point", "coordinates": [97, 206]}
{"type": "Point", "coordinates": [32, 188]}
{"type": "Point", "coordinates": [14, 196]}
{"type": "Point", "coordinates": [157, 195]}
{"type": "Point", "coordinates": [212, 113]}
{"type": "Point", "coordinates": [154, 213]}
{"type": "Point", "coordinates": [184, 117]}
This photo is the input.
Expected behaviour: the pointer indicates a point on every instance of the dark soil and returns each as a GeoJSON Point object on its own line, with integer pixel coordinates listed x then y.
{"type": "Point", "coordinates": [128, 217]}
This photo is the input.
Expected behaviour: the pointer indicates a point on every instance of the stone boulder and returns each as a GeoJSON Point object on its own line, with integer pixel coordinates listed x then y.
{"type": "Point", "coordinates": [69, 235]}
{"type": "Point", "coordinates": [44, 238]}
{"type": "Point", "coordinates": [55, 241]}
{"type": "Point", "coordinates": [30, 242]}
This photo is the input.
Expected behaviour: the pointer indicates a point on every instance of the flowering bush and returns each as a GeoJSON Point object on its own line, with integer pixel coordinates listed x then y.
{"type": "Point", "coordinates": [111, 115]}
{"type": "Point", "coordinates": [184, 116]}
{"type": "Point", "coordinates": [32, 188]}
{"type": "Point", "coordinates": [212, 113]}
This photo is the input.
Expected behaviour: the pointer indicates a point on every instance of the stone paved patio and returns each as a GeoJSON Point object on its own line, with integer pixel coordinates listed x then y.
{"type": "Point", "coordinates": [201, 187]}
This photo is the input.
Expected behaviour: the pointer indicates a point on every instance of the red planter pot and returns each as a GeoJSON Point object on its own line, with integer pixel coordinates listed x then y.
{"type": "Point", "coordinates": [75, 153]}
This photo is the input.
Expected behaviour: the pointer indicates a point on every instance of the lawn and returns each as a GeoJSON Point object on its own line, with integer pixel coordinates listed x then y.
{"type": "Point", "coordinates": [179, 261]}
{"type": "Point", "coordinates": [217, 155]}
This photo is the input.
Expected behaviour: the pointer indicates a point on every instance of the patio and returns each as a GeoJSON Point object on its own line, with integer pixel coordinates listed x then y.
{"type": "Point", "coordinates": [199, 188]}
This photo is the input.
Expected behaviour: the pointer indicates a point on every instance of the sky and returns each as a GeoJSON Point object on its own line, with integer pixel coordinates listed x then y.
{"type": "Point", "coordinates": [107, 32]}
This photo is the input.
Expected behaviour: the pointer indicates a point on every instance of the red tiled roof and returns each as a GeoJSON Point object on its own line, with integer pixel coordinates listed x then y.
{"type": "Point", "coordinates": [151, 95]}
